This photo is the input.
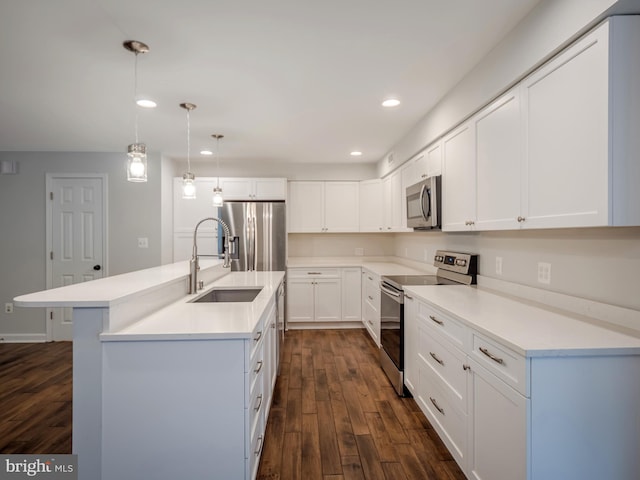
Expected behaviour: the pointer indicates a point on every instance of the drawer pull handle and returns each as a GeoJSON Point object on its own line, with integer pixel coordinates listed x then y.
{"type": "Point", "coordinates": [492, 356]}
{"type": "Point", "coordinates": [258, 337]}
{"type": "Point", "coordinates": [408, 296]}
{"type": "Point", "coordinates": [314, 273]}
{"type": "Point", "coordinates": [435, 357]}
{"type": "Point", "coordinates": [257, 408]}
{"type": "Point", "coordinates": [435, 404]}
{"type": "Point", "coordinates": [370, 322]}
{"type": "Point", "coordinates": [259, 366]}
{"type": "Point", "coordinates": [466, 367]}
{"type": "Point", "coordinates": [370, 278]}
{"type": "Point", "coordinates": [370, 297]}
{"type": "Point", "coordinates": [259, 449]}
{"type": "Point", "coordinates": [439, 322]}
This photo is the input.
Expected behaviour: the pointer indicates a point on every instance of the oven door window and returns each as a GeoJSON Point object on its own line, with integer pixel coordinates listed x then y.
{"type": "Point", "coordinates": [391, 330]}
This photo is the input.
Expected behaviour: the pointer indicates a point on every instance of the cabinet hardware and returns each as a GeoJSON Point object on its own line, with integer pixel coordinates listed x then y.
{"type": "Point", "coordinates": [259, 364]}
{"type": "Point", "coordinates": [521, 219]}
{"type": "Point", "coordinates": [439, 322]}
{"type": "Point", "coordinates": [435, 404]}
{"type": "Point", "coordinates": [492, 356]}
{"type": "Point", "coordinates": [466, 367]}
{"type": "Point", "coordinates": [435, 357]}
{"type": "Point", "coordinates": [257, 408]}
{"type": "Point", "coordinates": [258, 337]}
{"type": "Point", "coordinates": [314, 273]}
{"type": "Point", "coordinates": [370, 322]}
{"type": "Point", "coordinates": [370, 278]}
{"type": "Point", "coordinates": [370, 297]}
{"type": "Point", "coordinates": [257, 452]}
{"type": "Point", "coordinates": [408, 296]}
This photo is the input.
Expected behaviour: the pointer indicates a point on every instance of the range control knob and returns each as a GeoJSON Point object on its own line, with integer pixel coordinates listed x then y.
{"type": "Point", "coordinates": [461, 262]}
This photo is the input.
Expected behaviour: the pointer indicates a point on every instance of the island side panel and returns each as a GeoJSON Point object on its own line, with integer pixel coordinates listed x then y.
{"type": "Point", "coordinates": [585, 420]}
{"type": "Point", "coordinates": [174, 409]}
{"type": "Point", "coordinates": [87, 390]}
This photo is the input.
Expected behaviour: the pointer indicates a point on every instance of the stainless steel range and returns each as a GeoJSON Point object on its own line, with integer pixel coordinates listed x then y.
{"type": "Point", "coordinates": [453, 269]}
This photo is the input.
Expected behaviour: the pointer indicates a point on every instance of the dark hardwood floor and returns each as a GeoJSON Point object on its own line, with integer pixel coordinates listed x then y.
{"type": "Point", "coordinates": [334, 414]}
{"type": "Point", "coordinates": [35, 397]}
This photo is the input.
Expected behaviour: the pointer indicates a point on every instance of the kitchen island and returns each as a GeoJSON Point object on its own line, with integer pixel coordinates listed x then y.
{"type": "Point", "coordinates": [164, 387]}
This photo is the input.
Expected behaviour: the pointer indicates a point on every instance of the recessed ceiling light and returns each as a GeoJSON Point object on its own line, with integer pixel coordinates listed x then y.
{"type": "Point", "coordinates": [206, 152]}
{"type": "Point", "coordinates": [355, 153]}
{"type": "Point", "coordinates": [391, 102]}
{"type": "Point", "coordinates": [146, 103]}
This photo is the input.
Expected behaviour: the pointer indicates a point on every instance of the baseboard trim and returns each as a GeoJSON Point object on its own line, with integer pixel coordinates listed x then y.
{"type": "Point", "coordinates": [323, 325]}
{"type": "Point", "coordinates": [23, 337]}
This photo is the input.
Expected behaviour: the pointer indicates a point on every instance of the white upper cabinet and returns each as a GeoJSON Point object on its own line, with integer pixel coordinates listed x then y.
{"type": "Point", "coordinates": [254, 188]}
{"type": "Point", "coordinates": [371, 212]}
{"type": "Point", "coordinates": [433, 160]}
{"type": "Point", "coordinates": [581, 124]}
{"type": "Point", "coordinates": [459, 179]}
{"type": "Point", "coordinates": [393, 198]}
{"type": "Point", "coordinates": [323, 207]}
{"type": "Point", "coordinates": [499, 151]}
{"type": "Point", "coordinates": [427, 163]}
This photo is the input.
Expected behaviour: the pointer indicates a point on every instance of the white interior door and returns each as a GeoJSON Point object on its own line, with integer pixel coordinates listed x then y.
{"type": "Point", "coordinates": [76, 243]}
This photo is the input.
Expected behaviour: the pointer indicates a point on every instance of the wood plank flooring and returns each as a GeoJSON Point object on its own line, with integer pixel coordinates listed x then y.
{"type": "Point", "coordinates": [35, 397]}
{"type": "Point", "coordinates": [335, 416]}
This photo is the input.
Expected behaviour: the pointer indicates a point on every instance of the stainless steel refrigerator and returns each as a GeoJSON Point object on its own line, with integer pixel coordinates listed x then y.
{"type": "Point", "coordinates": [258, 235]}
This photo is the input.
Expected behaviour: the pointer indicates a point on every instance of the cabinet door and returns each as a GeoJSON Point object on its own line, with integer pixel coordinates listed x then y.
{"type": "Point", "coordinates": [306, 206]}
{"type": "Point", "coordinates": [371, 206]}
{"type": "Point", "coordinates": [459, 179]}
{"type": "Point", "coordinates": [271, 362]}
{"type": "Point", "coordinates": [414, 170]}
{"type": "Point", "coordinates": [499, 152]}
{"type": "Point", "coordinates": [498, 428]}
{"type": "Point", "coordinates": [341, 212]}
{"type": "Point", "coordinates": [567, 137]}
{"type": "Point", "coordinates": [433, 159]}
{"type": "Point", "coordinates": [270, 189]}
{"type": "Point", "coordinates": [300, 300]}
{"type": "Point", "coordinates": [351, 294]}
{"type": "Point", "coordinates": [392, 197]}
{"type": "Point", "coordinates": [236, 188]}
{"type": "Point", "coordinates": [328, 307]}
{"type": "Point", "coordinates": [410, 344]}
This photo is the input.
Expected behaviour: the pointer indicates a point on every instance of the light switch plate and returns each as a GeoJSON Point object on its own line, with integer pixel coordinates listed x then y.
{"type": "Point", "coordinates": [544, 273]}
{"type": "Point", "coordinates": [143, 242]}
{"type": "Point", "coordinates": [8, 308]}
{"type": "Point", "coordinates": [498, 265]}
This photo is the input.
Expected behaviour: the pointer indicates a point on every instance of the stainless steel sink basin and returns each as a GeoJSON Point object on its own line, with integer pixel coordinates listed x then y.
{"type": "Point", "coordinates": [229, 295]}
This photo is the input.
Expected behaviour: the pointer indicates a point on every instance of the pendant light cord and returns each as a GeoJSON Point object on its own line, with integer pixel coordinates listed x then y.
{"type": "Point", "coordinates": [135, 92]}
{"type": "Point", "coordinates": [188, 143]}
{"type": "Point", "coordinates": [218, 160]}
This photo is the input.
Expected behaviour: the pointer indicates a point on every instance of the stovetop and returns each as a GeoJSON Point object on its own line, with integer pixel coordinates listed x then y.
{"type": "Point", "coordinates": [398, 281]}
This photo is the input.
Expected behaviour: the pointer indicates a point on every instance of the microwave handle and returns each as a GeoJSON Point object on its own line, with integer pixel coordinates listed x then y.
{"type": "Point", "coordinates": [424, 191]}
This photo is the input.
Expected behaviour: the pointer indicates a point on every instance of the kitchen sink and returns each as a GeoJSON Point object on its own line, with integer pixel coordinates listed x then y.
{"type": "Point", "coordinates": [228, 295]}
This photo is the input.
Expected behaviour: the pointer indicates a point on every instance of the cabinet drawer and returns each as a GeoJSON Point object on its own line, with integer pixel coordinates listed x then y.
{"type": "Point", "coordinates": [255, 447]}
{"type": "Point", "coordinates": [440, 322]}
{"type": "Point", "coordinates": [503, 362]}
{"type": "Point", "coordinates": [255, 344]}
{"type": "Point", "coordinates": [449, 422]}
{"type": "Point", "coordinates": [313, 272]}
{"type": "Point", "coordinates": [256, 400]}
{"type": "Point", "coordinates": [371, 320]}
{"type": "Point", "coordinates": [447, 362]}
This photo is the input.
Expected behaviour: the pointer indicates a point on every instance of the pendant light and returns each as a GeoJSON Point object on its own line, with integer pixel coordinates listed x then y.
{"type": "Point", "coordinates": [217, 191]}
{"type": "Point", "coordinates": [188, 179]}
{"type": "Point", "coordinates": [136, 152]}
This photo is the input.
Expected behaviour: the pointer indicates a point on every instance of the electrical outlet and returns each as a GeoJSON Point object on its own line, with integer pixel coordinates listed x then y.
{"type": "Point", "coordinates": [359, 252]}
{"type": "Point", "coordinates": [143, 242]}
{"type": "Point", "coordinates": [8, 308]}
{"type": "Point", "coordinates": [498, 265]}
{"type": "Point", "coordinates": [544, 272]}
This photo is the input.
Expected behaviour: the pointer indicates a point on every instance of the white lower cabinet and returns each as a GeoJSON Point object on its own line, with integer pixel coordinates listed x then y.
{"type": "Point", "coordinates": [203, 404]}
{"type": "Point", "coordinates": [371, 304]}
{"type": "Point", "coordinates": [503, 416]}
{"type": "Point", "coordinates": [314, 295]}
{"type": "Point", "coordinates": [351, 294]}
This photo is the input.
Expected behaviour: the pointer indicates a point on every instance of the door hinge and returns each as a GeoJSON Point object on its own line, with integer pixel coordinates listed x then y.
{"type": "Point", "coordinates": [51, 255]}
{"type": "Point", "coordinates": [50, 195]}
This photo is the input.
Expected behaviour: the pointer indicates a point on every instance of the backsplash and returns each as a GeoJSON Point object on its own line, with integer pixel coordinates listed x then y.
{"type": "Point", "coordinates": [340, 244]}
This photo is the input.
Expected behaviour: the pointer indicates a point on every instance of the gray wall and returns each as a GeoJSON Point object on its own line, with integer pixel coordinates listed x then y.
{"type": "Point", "coordinates": [134, 211]}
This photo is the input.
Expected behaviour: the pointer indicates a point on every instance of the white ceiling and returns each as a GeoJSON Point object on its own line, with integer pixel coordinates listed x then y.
{"type": "Point", "coordinates": [283, 80]}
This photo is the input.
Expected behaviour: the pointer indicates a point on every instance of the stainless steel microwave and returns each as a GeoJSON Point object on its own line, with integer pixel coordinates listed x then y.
{"type": "Point", "coordinates": [423, 204]}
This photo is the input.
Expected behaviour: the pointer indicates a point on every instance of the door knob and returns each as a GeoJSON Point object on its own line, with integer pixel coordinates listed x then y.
{"type": "Point", "coordinates": [97, 267]}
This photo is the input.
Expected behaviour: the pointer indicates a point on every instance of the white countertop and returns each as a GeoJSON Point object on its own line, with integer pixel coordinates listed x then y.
{"type": "Point", "coordinates": [183, 320]}
{"type": "Point", "coordinates": [377, 265]}
{"type": "Point", "coordinates": [106, 292]}
{"type": "Point", "coordinates": [529, 329]}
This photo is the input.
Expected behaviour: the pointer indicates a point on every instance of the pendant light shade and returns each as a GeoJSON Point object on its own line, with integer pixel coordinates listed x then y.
{"type": "Point", "coordinates": [188, 179]}
{"type": "Point", "coordinates": [217, 191]}
{"type": "Point", "coordinates": [136, 152]}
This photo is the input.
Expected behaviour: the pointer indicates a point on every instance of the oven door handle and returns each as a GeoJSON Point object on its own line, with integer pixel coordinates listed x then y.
{"type": "Point", "coordinates": [391, 293]}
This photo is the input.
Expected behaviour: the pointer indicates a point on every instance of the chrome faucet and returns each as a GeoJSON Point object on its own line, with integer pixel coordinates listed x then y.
{"type": "Point", "coordinates": [194, 264]}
